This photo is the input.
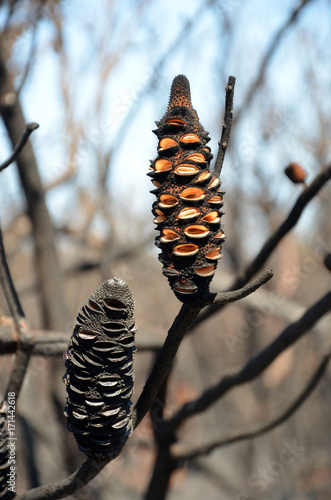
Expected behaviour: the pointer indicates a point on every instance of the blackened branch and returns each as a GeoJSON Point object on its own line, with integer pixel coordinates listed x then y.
{"type": "Point", "coordinates": [305, 197]}
{"type": "Point", "coordinates": [269, 246]}
{"type": "Point", "coordinates": [233, 296]}
{"type": "Point", "coordinates": [259, 431]}
{"type": "Point", "coordinates": [227, 122]}
{"type": "Point", "coordinates": [62, 489]}
{"type": "Point", "coordinates": [253, 368]}
{"type": "Point", "coordinates": [23, 336]}
{"type": "Point", "coordinates": [164, 361]}
{"type": "Point", "coordinates": [30, 127]}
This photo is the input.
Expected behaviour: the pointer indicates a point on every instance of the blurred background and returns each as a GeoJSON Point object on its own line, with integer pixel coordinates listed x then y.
{"type": "Point", "coordinates": [95, 76]}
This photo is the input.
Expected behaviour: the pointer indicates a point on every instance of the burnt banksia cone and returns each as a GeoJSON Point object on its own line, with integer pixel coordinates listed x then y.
{"type": "Point", "coordinates": [99, 376]}
{"type": "Point", "coordinates": [189, 200]}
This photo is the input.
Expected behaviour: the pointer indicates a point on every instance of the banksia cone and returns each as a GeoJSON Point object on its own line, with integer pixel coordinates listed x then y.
{"type": "Point", "coordinates": [189, 200]}
{"type": "Point", "coordinates": [99, 376]}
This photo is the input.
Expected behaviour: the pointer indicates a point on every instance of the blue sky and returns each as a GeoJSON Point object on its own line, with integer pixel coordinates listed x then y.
{"type": "Point", "coordinates": [203, 55]}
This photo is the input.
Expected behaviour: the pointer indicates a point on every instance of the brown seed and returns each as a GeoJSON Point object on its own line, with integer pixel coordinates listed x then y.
{"type": "Point", "coordinates": [184, 286]}
{"type": "Point", "coordinates": [214, 254]}
{"type": "Point", "coordinates": [219, 236]}
{"type": "Point", "coordinates": [211, 217]}
{"type": "Point", "coordinates": [114, 304]}
{"type": "Point", "coordinates": [188, 213]}
{"type": "Point", "coordinates": [87, 334]}
{"type": "Point", "coordinates": [167, 201]}
{"type": "Point", "coordinates": [295, 173]}
{"type": "Point", "coordinates": [162, 165]}
{"type": "Point", "coordinates": [203, 176]}
{"type": "Point", "coordinates": [186, 169]}
{"type": "Point", "coordinates": [198, 157]}
{"type": "Point", "coordinates": [156, 183]}
{"type": "Point", "coordinates": [189, 138]}
{"type": "Point", "coordinates": [170, 272]}
{"type": "Point", "coordinates": [167, 143]}
{"type": "Point", "coordinates": [168, 235]}
{"type": "Point", "coordinates": [196, 231]}
{"type": "Point", "coordinates": [214, 182]}
{"type": "Point", "coordinates": [193, 194]}
{"type": "Point", "coordinates": [159, 218]}
{"type": "Point", "coordinates": [186, 250]}
{"type": "Point", "coordinates": [94, 306]}
{"type": "Point", "coordinates": [175, 121]}
{"type": "Point", "coordinates": [216, 200]}
{"type": "Point", "coordinates": [205, 271]}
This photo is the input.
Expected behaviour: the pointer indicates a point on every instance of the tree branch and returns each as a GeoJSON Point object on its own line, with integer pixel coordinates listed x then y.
{"type": "Point", "coordinates": [179, 328]}
{"type": "Point", "coordinates": [163, 363]}
{"type": "Point", "coordinates": [46, 258]}
{"type": "Point", "coordinates": [269, 246]}
{"type": "Point", "coordinates": [62, 489]}
{"type": "Point", "coordinates": [30, 127]}
{"type": "Point", "coordinates": [253, 368]}
{"type": "Point", "coordinates": [233, 296]}
{"type": "Point", "coordinates": [268, 56]}
{"type": "Point", "coordinates": [24, 338]}
{"type": "Point", "coordinates": [259, 431]}
{"type": "Point", "coordinates": [227, 122]}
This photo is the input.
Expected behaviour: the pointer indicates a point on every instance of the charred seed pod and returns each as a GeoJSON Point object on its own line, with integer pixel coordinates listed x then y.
{"type": "Point", "coordinates": [4, 453]}
{"type": "Point", "coordinates": [189, 199]}
{"type": "Point", "coordinates": [295, 173]}
{"type": "Point", "coordinates": [99, 376]}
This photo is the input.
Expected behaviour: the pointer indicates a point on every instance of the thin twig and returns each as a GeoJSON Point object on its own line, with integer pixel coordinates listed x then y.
{"type": "Point", "coordinates": [9, 289]}
{"type": "Point", "coordinates": [253, 367]}
{"type": "Point", "coordinates": [259, 431]}
{"type": "Point", "coordinates": [227, 122]}
{"type": "Point", "coordinates": [269, 246]}
{"type": "Point", "coordinates": [30, 127]}
{"type": "Point", "coordinates": [23, 336]}
{"type": "Point", "coordinates": [33, 45]}
{"type": "Point", "coordinates": [54, 345]}
{"type": "Point", "coordinates": [267, 58]}
{"type": "Point", "coordinates": [233, 296]}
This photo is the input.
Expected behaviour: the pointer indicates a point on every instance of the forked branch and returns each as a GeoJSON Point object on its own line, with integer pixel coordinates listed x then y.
{"type": "Point", "coordinates": [259, 431]}
{"type": "Point", "coordinates": [253, 367]}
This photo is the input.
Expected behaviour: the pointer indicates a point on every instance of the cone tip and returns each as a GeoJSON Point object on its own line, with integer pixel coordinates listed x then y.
{"type": "Point", "coordinates": [180, 94]}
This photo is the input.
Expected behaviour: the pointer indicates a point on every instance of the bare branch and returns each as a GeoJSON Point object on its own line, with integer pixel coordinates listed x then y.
{"type": "Point", "coordinates": [30, 127]}
{"type": "Point", "coordinates": [164, 361]}
{"type": "Point", "coordinates": [233, 296]}
{"type": "Point", "coordinates": [54, 343]}
{"type": "Point", "coordinates": [23, 335]}
{"type": "Point", "coordinates": [227, 122]}
{"type": "Point", "coordinates": [269, 246]}
{"type": "Point", "coordinates": [62, 489]}
{"type": "Point", "coordinates": [46, 257]}
{"type": "Point", "coordinates": [259, 431]}
{"type": "Point", "coordinates": [268, 56]}
{"type": "Point", "coordinates": [179, 328]}
{"type": "Point", "coordinates": [254, 366]}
